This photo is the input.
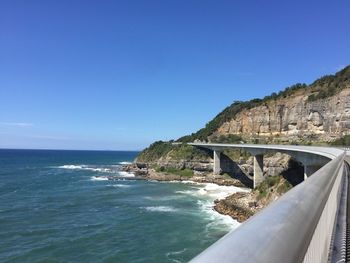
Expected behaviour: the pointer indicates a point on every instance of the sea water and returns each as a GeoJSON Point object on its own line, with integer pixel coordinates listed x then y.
{"type": "Point", "coordinates": [60, 206]}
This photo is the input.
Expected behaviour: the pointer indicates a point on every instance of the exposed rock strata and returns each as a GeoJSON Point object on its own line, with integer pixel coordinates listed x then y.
{"type": "Point", "coordinates": [294, 119]}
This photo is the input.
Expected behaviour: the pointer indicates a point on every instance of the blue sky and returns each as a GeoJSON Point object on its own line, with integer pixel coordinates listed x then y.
{"type": "Point", "coordinates": [122, 74]}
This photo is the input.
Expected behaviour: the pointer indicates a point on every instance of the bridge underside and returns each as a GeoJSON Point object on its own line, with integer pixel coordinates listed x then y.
{"type": "Point", "coordinates": [311, 162]}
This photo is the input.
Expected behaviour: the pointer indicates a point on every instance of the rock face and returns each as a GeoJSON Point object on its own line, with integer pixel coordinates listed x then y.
{"type": "Point", "coordinates": [241, 206]}
{"type": "Point", "coordinates": [198, 166]}
{"type": "Point", "coordinates": [241, 170]}
{"type": "Point", "coordinates": [294, 119]}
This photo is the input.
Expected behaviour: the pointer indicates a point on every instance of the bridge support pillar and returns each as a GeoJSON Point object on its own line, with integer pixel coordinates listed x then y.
{"type": "Point", "coordinates": [309, 170]}
{"type": "Point", "coordinates": [258, 169]}
{"type": "Point", "coordinates": [216, 157]}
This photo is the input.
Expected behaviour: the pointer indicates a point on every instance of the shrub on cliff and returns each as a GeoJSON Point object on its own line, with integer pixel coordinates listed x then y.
{"type": "Point", "coordinates": [188, 152]}
{"type": "Point", "coordinates": [343, 141]}
{"type": "Point", "coordinates": [173, 152]}
{"type": "Point", "coordinates": [330, 85]}
{"type": "Point", "coordinates": [271, 185]}
{"type": "Point", "coordinates": [155, 151]}
{"type": "Point", "coordinates": [322, 88]}
{"type": "Point", "coordinates": [230, 138]}
{"type": "Point", "coordinates": [169, 170]}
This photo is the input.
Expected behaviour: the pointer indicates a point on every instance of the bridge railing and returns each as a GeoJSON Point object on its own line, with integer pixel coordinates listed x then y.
{"type": "Point", "coordinates": [297, 227]}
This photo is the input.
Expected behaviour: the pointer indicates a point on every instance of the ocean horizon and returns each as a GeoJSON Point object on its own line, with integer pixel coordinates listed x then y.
{"type": "Point", "coordinates": [62, 206]}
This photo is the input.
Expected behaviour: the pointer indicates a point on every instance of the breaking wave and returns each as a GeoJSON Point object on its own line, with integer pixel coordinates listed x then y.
{"type": "Point", "coordinates": [160, 209]}
{"type": "Point", "coordinates": [206, 193]}
{"type": "Point", "coordinates": [70, 166]}
{"type": "Point", "coordinates": [212, 190]}
{"type": "Point", "coordinates": [99, 178]}
{"type": "Point", "coordinates": [126, 174]}
{"type": "Point", "coordinates": [121, 185]}
{"type": "Point", "coordinates": [164, 198]}
{"type": "Point", "coordinates": [124, 163]}
{"type": "Point", "coordinates": [171, 255]}
{"type": "Point", "coordinates": [110, 169]}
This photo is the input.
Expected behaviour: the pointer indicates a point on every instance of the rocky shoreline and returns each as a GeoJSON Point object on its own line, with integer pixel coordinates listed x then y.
{"type": "Point", "coordinates": [151, 174]}
{"type": "Point", "coordinates": [240, 206]}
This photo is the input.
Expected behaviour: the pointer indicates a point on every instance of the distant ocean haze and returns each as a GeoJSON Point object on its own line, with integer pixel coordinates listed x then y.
{"type": "Point", "coordinates": [60, 206]}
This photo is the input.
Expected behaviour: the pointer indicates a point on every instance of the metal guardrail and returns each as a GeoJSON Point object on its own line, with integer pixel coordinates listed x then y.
{"type": "Point", "coordinates": [338, 243]}
{"type": "Point", "coordinates": [298, 227]}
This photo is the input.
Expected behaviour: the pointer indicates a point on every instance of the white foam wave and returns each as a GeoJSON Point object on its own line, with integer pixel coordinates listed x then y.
{"type": "Point", "coordinates": [85, 167]}
{"type": "Point", "coordinates": [187, 192]}
{"type": "Point", "coordinates": [124, 163]}
{"type": "Point", "coordinates": [221, 192]}
{"type": "Point", "coordinates": [213, 191]}
{"type": "Point", "coordinates": [126, 174]}
{"type": "Point", "coordinates": [172, 254]}
{"type": "Point", "coordinates": [160, 209]}
{"type": "Point", "coordinates": [216, 220]}
{"type": "Point", "coordinates": [184, 182]}
{"type": "Point", "coordinates": [176, 252]}
{"type": "Point", "coordinates": [206, 194]}
{"type": "Point", "coordinates": [71, 166]}
{"type": "Point", "coordinates": [102, 170]}
{"type": "Point", "coordinates": [99, 178]}
{"type": "Point", "coordinates": [192, 182]}
{"type": "Point", "coordinates": [164, 198]}
{"type": "Point", "coordinates": [121, 185]}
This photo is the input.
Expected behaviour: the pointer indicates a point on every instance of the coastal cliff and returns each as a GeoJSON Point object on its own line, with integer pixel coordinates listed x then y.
{"type": "Point", "coordinates": [317, 113]}
{"type": "Point", "coordinates": [313, 114]}
{"type": "Point", "coordinates": [294, 119]}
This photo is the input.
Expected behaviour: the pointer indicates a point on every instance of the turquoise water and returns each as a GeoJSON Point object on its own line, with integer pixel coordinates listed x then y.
{"type": "Point", "coordinates": [59, 206]}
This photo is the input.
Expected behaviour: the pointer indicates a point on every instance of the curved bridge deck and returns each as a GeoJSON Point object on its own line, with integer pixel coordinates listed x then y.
{"type": "Point", "coordinates": [307, 224]}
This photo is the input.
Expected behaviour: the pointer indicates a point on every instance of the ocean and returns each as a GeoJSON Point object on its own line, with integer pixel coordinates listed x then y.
{"type": "Point", "coordinates": [59, 206]}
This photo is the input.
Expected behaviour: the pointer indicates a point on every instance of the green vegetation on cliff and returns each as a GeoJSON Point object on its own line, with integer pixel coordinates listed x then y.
{"type": "Point", "coordinates": [236, 107]}
{"type": "Point", "coordinates": [162, 149]}
{"type": "Point", "coordinates": [330, 85]}
{"type": "Point", "coordinates": [343, 141]}
{"type": "Point", "coordinates": [271, 184]}
{"type": "Point", "coordinates": [322, 88]}
{"type": "Point", "coordinates": [183, 172]}
{"type": "Point", "coordinates": [224, 116]}
{"type": "Point", "coordinates": [155, 151]}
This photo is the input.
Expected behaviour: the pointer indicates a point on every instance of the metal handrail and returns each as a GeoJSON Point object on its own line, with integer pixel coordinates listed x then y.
{"type": "Point", "coordinates": [291, 229]}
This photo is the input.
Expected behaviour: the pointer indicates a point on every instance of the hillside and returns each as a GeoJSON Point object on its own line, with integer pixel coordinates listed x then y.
{"type": "Point", "coordinates": [301, 114]}
{"type": "Point", "coordinates": [272, 115]}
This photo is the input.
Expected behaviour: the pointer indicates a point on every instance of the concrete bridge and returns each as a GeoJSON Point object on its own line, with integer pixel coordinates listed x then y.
{"type": "Point", "coordinates": [312, 158]}
{"type": "Point", "coordinates": [307, 224]}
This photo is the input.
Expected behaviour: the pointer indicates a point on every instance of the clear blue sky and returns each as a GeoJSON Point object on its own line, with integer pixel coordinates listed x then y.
{"type": "Point", "coordinates": [121, 74]}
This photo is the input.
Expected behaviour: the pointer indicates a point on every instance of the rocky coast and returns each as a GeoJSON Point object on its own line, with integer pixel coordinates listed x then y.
{"type": "Point", "coordinates": [241, 205]}
{"type": "Point", "coordinates": [314, 114]}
